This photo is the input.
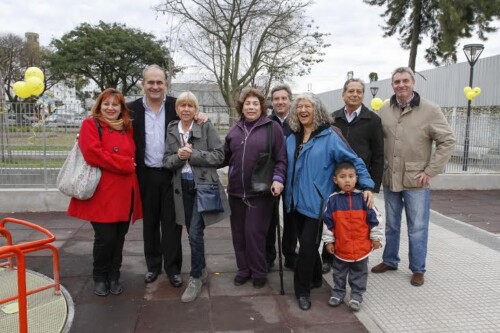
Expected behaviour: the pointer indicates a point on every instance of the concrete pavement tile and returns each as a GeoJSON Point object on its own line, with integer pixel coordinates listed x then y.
{"type": "Point", "coordinates": [76, 286]}
{"type": "Point", "coordinates": [133, 248]}
{"type": "Point", "coordinates": [221, 263]}
{"type": "Point", "coordinates": [107, 314]}
{"type": "Point", "coordinates": [175, 316]}
{"type": "Point", "coordinates": [226, 223]}
{"type": "Point", "coordinates": [250, 314]}
{"type": "Point", "coordinates": [162, 290]}
{"type": "Point", "coordinates": [356, 327]}
{"type": "Point", "coordinates": [77, 247]}
{"type": "Point", "coordinates": [218, 234]}
{"type": "Point", "coordinates": [134, 265]}
{"type": "Point", "coordinates": [84, 233]}
{"type": "Point", "coordinates": [134, 232]}
{"type": "Point", "coordinates": [218, 246]}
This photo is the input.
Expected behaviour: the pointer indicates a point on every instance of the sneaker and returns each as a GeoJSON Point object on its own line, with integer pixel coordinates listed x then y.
{"type": "Point", "coordinates": [354, 305]}
{"type": "Point", "coordinates": [204, 275]}
{"type": "Point", "coordinates": [335, 301]}
{"type": "Point", "coordinates": [192, 291]}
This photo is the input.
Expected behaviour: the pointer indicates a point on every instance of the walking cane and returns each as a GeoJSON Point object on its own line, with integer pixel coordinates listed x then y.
{"type": "Point", "coordinates": [280, 261]}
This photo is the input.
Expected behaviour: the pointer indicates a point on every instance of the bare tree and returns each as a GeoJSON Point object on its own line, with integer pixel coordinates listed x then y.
{"type": "Point", "coordinates": [245, 42]}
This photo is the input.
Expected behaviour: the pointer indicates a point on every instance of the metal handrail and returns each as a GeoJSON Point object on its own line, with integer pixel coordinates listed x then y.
{"type": "Point", "coordinates": [19, 250]}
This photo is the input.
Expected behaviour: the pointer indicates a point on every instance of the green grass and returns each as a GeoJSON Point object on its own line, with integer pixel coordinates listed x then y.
{"type": "Point", "coordinates": [33, 163]}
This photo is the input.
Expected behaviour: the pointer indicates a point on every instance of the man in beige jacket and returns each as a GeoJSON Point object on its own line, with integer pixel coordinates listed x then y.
{"type": "Point", "coordinates": [411, 124]}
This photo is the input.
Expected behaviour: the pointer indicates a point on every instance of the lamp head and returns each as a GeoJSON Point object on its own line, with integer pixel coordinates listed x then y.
{"type": "Point", "coordinates": [472, 52]}
{"type": "Point", "coordinates": [374, 91]}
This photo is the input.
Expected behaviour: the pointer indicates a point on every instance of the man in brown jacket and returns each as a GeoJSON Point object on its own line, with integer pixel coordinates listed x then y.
{"type": "Point", "coordinates": [411, 124]}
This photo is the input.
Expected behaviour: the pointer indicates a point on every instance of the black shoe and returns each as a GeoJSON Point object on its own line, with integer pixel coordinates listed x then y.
{"type": "Point", "coordinates": [240, 280]}
{"type": "Point", "coordinates": [259, 282]}
{"type": "Point", "coordinates": [325, 268]}
{"type": "Point", "coordinates": [115, 287]}
{"type": "Point", "coordinates": [304, 303]}
{"type": "Point", "coordinates": [151, 277]}
{"type": "Point", "coordinates": [175, 280]}
{"type": "Point", "coordinates": [101, 288]}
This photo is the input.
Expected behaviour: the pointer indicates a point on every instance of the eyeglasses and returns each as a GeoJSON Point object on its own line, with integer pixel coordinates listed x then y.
{"type": "Point", "coordinates": [304, 106]}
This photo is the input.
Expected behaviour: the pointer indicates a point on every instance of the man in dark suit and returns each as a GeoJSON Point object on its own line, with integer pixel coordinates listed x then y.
{"type": "Point", "coordinates": [281, 98]}
{"type": "Point", "coordinates": [162, 235]}
{"type": "Point", "coordinates": [362, 128]}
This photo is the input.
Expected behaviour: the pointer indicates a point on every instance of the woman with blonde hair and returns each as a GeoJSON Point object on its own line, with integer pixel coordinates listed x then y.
{"type": "Point", "coordinates": [193, 152]}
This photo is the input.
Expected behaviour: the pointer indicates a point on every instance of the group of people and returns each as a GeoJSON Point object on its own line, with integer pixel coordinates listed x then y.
{"type": "Point", "coordinates": [327, 166]}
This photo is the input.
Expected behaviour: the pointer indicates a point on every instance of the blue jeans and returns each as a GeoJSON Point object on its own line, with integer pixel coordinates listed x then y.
{"type": "Point", "coordinates": [417, 208]}
{"type": "Point", "coordinates": [195, 227]}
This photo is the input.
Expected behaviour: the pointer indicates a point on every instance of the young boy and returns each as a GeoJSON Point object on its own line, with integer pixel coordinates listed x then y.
{"type": "Point", "coordinates": [350, 231]}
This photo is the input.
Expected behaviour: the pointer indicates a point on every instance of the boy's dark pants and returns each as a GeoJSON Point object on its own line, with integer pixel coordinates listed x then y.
{"type": "Point", "coordinates": [355, 272]}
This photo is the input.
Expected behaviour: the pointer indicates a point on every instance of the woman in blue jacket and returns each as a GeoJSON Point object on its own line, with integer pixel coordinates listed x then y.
{"type": "Point", "coordinates": [313, 150]}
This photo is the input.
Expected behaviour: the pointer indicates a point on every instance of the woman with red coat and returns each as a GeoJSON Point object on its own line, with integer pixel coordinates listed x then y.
{"type": "Point", "coordinates": [116, 200]}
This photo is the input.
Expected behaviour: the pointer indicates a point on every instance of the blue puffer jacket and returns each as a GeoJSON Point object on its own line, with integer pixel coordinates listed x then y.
{"type": "Point", "coordinates": [315, 167]}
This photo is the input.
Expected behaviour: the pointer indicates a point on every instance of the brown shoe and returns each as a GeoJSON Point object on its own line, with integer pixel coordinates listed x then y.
{"type": "Point", "coordinates": [417, 279]}
{"type": "Point", "coordinates": [382, 268]}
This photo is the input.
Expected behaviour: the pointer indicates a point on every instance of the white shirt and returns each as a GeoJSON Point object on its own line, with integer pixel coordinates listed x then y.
{"type": "Point", "coordinates": [351, 116]}
{"type": "Point", "coordinates": [185, 136]}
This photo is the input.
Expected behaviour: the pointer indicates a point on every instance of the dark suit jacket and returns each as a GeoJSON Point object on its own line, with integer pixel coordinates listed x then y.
{"type": "Point", "coordinates": [138, 112]}
{"type": "Point", "coordinates": [285, 127]}
{"type": "Point", "coordinates": [366, 138]}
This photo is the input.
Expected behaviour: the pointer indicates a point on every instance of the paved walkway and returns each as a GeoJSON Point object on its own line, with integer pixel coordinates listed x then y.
{"type": "Point", "coordinates": [461, 291]}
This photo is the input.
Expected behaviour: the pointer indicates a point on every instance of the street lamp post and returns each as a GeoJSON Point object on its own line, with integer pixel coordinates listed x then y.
{"type": "Point", "coordinates": [374, 91]}
{"type": "Point", "coordinates": [472, 52]}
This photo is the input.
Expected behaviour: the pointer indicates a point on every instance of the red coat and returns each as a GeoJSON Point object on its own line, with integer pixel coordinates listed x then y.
{"type": "Point", "coordinates": [114, 154]}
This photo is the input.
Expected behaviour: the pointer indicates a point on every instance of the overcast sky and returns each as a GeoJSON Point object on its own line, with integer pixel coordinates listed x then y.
{"type": "Point", "coordinates": [356, 38]}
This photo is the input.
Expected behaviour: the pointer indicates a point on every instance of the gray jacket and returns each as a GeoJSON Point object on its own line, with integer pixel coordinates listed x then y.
{"type": "Point", "coordinates": [207, 155]}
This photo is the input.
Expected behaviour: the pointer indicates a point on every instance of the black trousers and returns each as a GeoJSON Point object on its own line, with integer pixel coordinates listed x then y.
{"type": "Point", "coordinates": [288, 241]}
{"type": "Point", "coordinates": [162, 235]}
{"type": "Point", "coordinates": [326, 256]}
{"type": "Point", "coordinates": [108, 247]}
{"type": "Point", "coordinates": [308, 269]}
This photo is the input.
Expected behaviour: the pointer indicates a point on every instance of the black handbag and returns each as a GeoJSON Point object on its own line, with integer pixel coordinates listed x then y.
{"type": "Point", "coordinates": [262, 174]}
{"type": "Point", "coordinates": [208, 198]}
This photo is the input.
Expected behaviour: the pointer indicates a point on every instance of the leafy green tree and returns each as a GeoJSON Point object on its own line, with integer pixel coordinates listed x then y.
{"type": "Point", "coordinates": [373, 77]}
{"type": "Point", "coordinates": [445, 21]}
{"type": "Point", "coordinates": [247, 42]}
{"type": "Point", "coordinates": [111, 55]}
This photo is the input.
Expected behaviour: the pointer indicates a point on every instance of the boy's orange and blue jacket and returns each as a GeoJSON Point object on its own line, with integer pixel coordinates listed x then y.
{"type": "Point", "coordinates": [351, 225]}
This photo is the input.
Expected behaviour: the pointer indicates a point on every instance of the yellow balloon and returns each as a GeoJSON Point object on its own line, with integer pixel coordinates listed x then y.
{"type": "Point", "coordinates": [477, 91]}
{"type": "Point", "coordinates": [21, 90]}
{"type": "Point", "coordinates": [35, 86]}
{"type": "Point", "coordinates": [34, 72]}
{"type": "Point", "coordinates": [376, 103]}
{"type": "Point", "coordinates": [470, 95]}
{"type": "Point", "coordinates": [466, 90]}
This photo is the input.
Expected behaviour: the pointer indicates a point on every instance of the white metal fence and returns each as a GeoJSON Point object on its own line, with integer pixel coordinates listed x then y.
{"type": "Point", "coordinates": [33, 148]}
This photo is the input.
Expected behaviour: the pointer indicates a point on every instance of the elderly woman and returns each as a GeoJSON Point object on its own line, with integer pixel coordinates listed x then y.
{"type": "Point", "coordinates": [248, 142]}
{"type": "Point", "coordinates": [313, 150]}
{"type": "Point", "coordinates": [193, 152]}
{"type": "Point", "coordinates": [116, 200]}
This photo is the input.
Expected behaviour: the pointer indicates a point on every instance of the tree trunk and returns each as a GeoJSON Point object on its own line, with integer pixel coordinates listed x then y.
{"type": "Point", "coordinates": [415, 32]}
